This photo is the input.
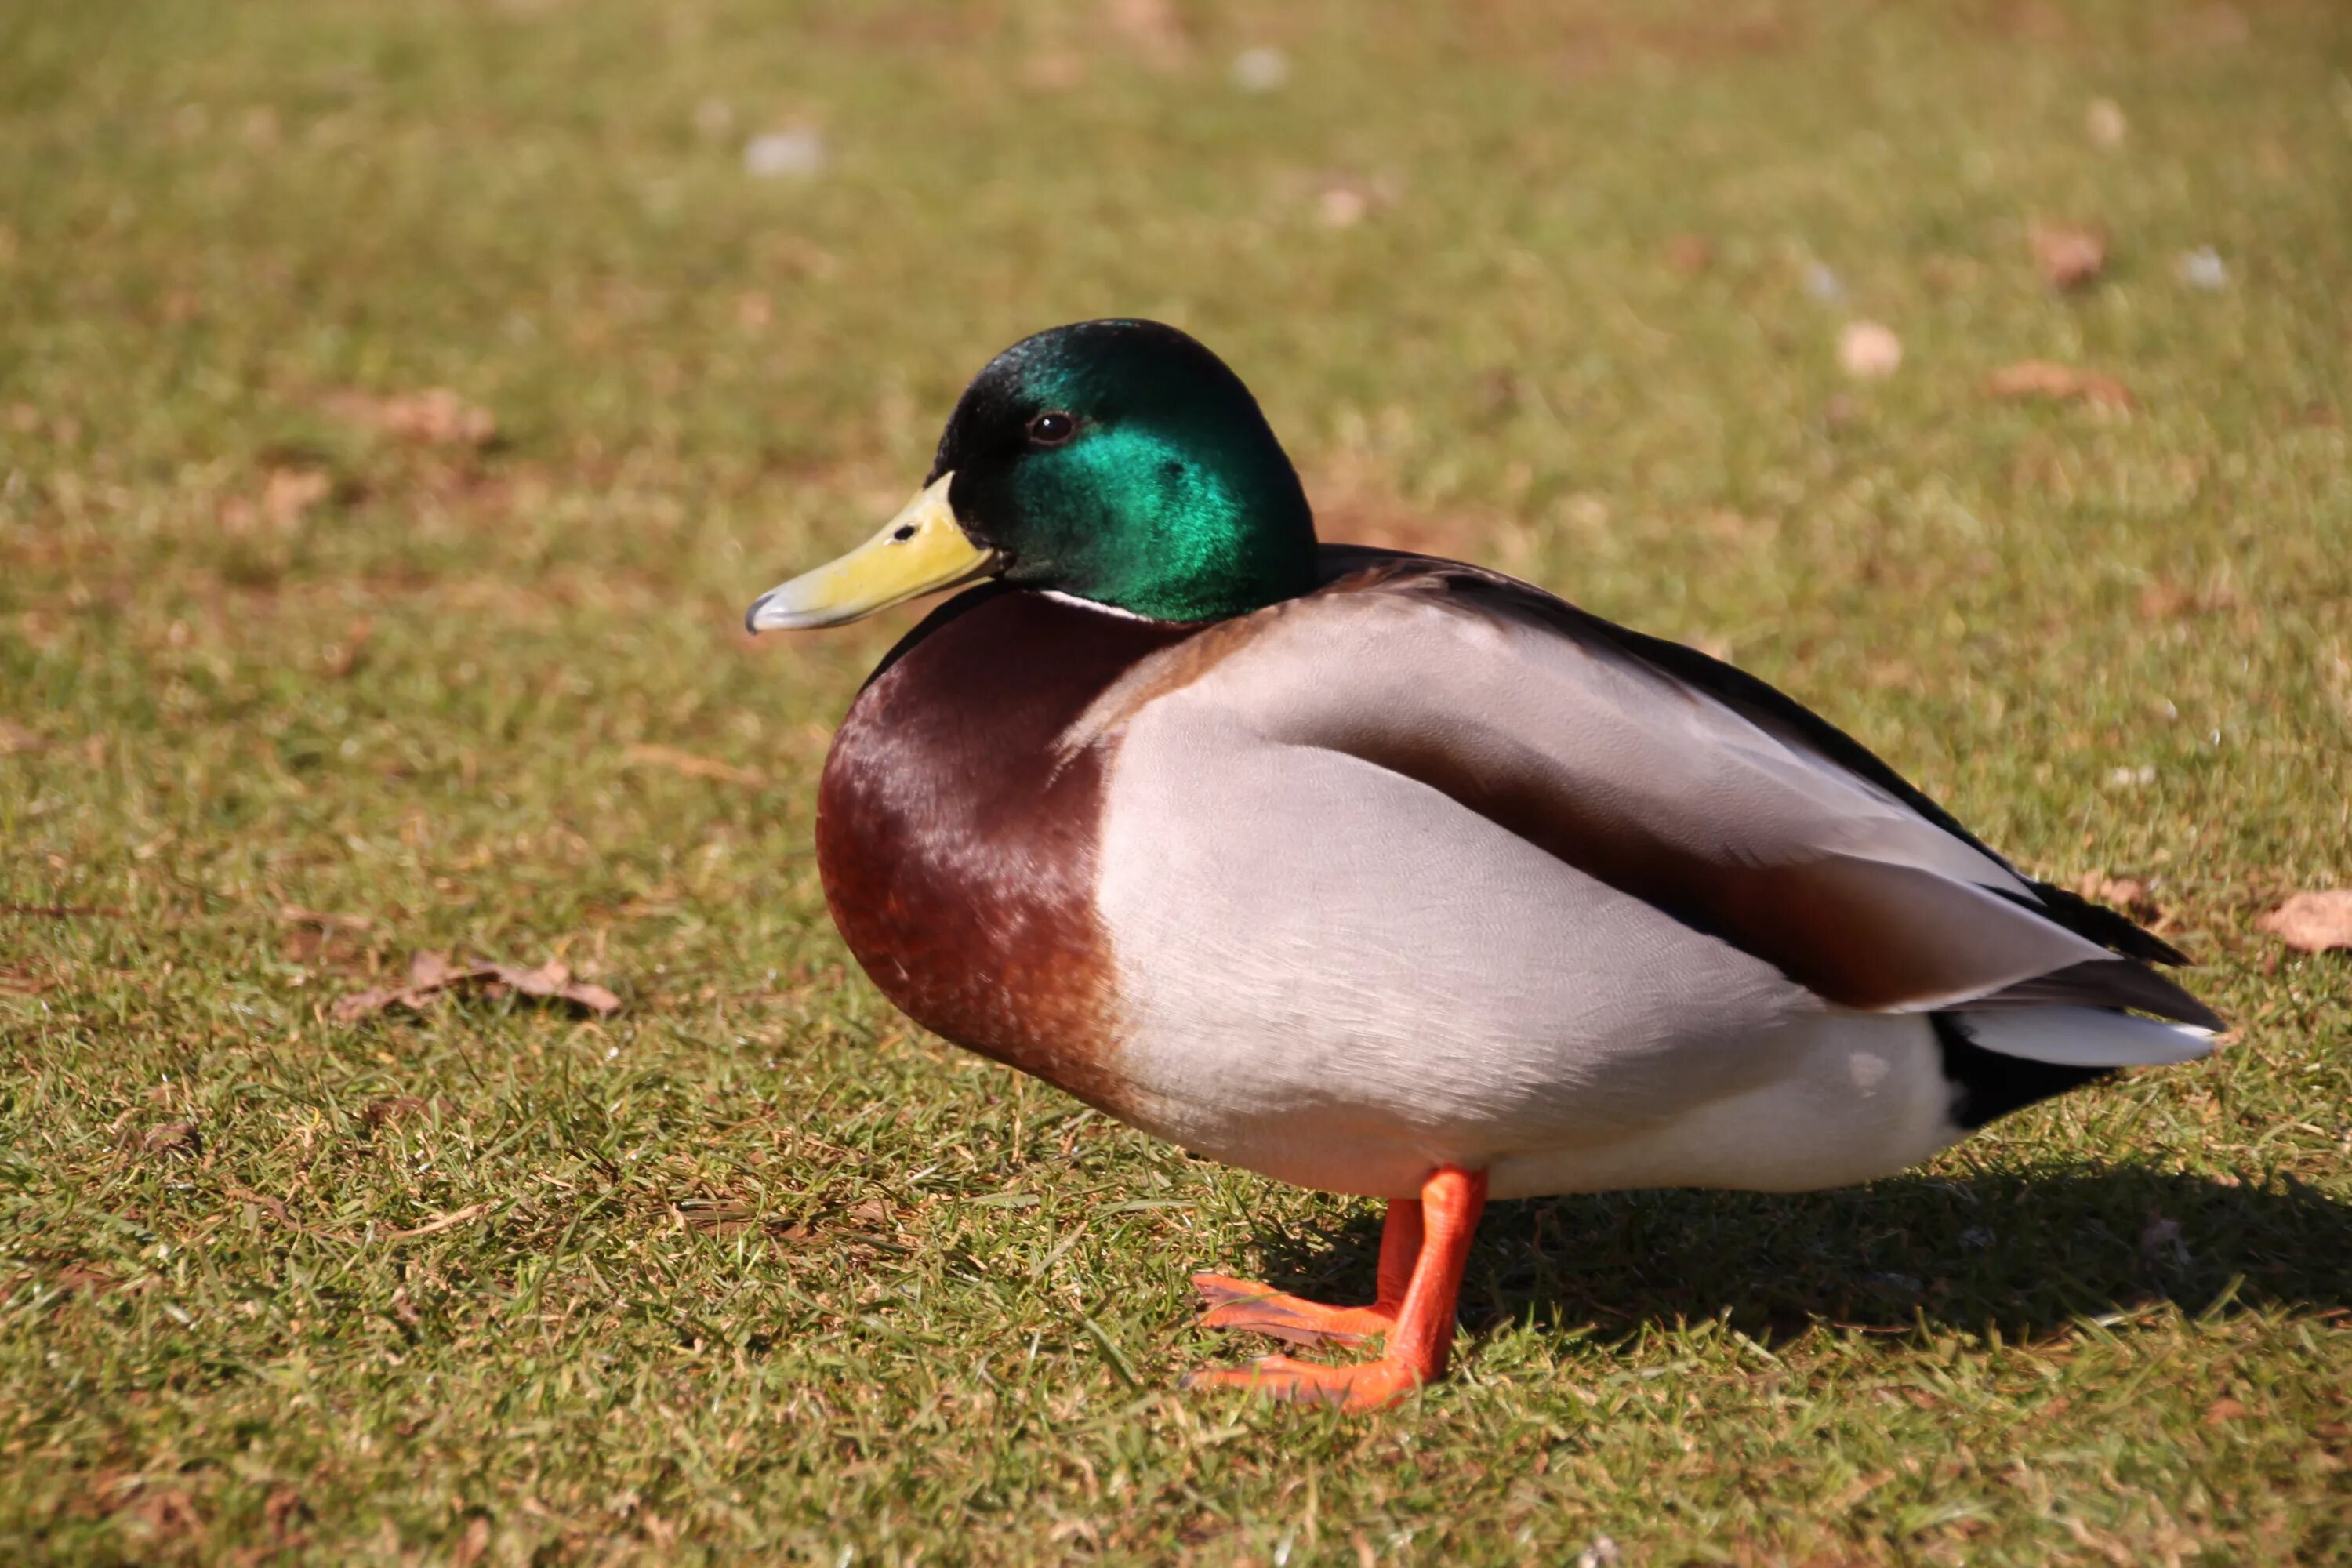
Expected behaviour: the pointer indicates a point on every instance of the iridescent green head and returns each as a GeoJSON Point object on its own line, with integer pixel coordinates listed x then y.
{"type": "Point", "coordinates": [1118, 461]}
{"type": "Point", "coordinates": [1122, 462]}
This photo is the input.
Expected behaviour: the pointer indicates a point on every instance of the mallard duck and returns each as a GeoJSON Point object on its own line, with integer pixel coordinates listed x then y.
{"type": "Point", "coordinates": [1394, 876]}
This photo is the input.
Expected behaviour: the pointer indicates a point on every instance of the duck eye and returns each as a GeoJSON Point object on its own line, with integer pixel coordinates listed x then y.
{"type": "Point", "coordinates": [1052, 428]}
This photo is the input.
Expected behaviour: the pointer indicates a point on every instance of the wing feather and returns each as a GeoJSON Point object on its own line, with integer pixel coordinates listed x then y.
{"type": "Point", "coordinates": [1677, 779]}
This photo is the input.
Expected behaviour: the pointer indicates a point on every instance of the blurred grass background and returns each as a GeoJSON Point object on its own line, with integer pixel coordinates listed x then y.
{"type": "Point", "coordinates": [399, 403]}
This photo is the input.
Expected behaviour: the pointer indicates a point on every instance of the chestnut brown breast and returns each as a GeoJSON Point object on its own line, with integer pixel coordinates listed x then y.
{"type": "Point", "coordinates": [958, 848]}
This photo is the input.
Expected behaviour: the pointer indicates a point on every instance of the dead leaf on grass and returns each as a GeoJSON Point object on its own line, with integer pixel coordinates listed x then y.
{"type": "Point", "coordinates": [283, 1515]}
{"type": "Point", "coordinates": [1344, 204]}
{"type": "Point", "coordinates": [1690, 254]}
{"type": "Point", "coordinates": [2313, 922]}
{"type": "Point", "coordinates": [2165, 600]}
{"type": "Point", "coordinates": [435, 416]}
{"type": "Point", "coordinates": [394, 1107]}
{"type": "Point", "coordinates": [1869, 350]}
{"type": "Point", "coordinates": [2128, 894]}
{"type": "Point", "coordinates": [430, 975]}
{"type": "Point", "coordinates": [339, 658]}
{"type": "Point", "coordinates": [1152, 29]}
{"type": "Point", "coordinates": [15, 738]}
{"type": "Point", "coordinates": [87, 1276]}
{"type": "Point", "coordinates": [169, 1513]}
{"type": "Point", "coordinates": [2048, 378]}
{"type": "Point", "coordinates": [316, 937]}
{"type": "Point", "coordinates": [472, 1544]}
{"type": "Point", "coordinates": [691, 765]}
{"type": "Point", "coordinates": [2070, 254]}
{"type": "Point", "coordinates": [181, 1139]}
{"type": "Point", "coordinates": [2104, 123]}
{"type": "Point", "coordinates": [290, 492]}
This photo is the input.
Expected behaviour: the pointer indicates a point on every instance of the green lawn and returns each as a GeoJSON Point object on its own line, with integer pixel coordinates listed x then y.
{"type": "Point", "coordinates": [753, 1270]}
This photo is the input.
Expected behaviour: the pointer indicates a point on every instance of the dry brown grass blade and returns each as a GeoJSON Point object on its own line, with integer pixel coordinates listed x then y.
{"type": "Point", "coordinates": [439, 1223]}
{"type": "Point", "coordinates": [2047, 378]}
{"type": "Point", "coordinates": [691, 765]}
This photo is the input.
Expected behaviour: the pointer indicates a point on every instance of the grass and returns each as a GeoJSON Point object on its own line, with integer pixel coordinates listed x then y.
{"type": "Point", "coordinates": [752, 1270]}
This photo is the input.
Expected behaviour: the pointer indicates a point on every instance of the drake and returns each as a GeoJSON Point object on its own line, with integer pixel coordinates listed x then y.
{"type": "Point", "coordinates": [1392, 876]}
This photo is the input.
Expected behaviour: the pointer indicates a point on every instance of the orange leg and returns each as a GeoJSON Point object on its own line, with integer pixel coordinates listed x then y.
{"type": "Point", "coordinates": [1239, 1304]}
{"type": "Point", "coordinates": [1420, 1326]}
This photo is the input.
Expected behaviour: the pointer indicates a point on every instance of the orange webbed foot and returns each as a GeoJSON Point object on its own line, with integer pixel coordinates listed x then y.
{"type": "Point", "coordinates": [1365, 1386]}
{"type": "Point", "coordinates": [1230, 1303]}
{"type": "Point", "coordinates": [1423, 1250]}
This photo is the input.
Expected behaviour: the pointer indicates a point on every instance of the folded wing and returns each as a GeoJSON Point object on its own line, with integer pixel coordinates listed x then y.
{"type": "Point", "coordinates": [1682, 782]}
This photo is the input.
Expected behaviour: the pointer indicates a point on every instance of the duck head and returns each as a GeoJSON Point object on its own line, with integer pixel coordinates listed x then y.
{"type": "Point", "coordinates": [1118, 462]}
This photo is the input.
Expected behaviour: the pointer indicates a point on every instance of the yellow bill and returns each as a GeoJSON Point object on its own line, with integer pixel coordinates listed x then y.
{"type": "Point", "coordinates": [920, 550]}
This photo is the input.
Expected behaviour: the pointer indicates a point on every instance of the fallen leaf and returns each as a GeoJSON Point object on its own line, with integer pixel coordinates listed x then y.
{"type": "Point", "coordinates": [2069, 255]}
{"type": "Point", "coordinates": [86, 1277]}
{"type": "Point", "coordinates": [282, 1515]}
{"type": "Point", "coordinates": [1690, 253]}
{"type": "Point", "coordinates": [552, 981]}
{"type": "Point", "coordinates": [172, 1138]}
{"type": "Point", "coordinates": [472, 1544]}
{"type": "Point", "coordinates": [430, 975]}
{"type": "Point", "coordinates": [392, 1108]}
{"type": "Point", "coordinates": [1854, 1492]}
{"type": "Point", "coordinates": [873, 1211]}
{"type": "Point", "coordinates": [1343, 206]}
{"type": "Point", "coordinates": [2313, 922]}
{"type": "Point", "coordinates": [2128, 894]}
{"type": "Point", "coordinates": [15, 738]}
{"type": "Point", "coordinates": [2165, 599]}
{"type": "Point", "coordinates": [275, 1207]}
{"type": "Point", "coordinates": [1868, 350]}
{"type": "Point", "coordinates": [2223, 1409]}
{"type": "Point", "coordinates": [436, 416]}
{"type": "Point", "coordinates": [170, 1512]}
{"type": "Point", "coordinates": [290, 492]}
{"type": "Point", "coordinates": [1151, 28]}
{"type": "Point", "coordinates": [692, 767]}
{"type": "Point", "coordinates": [2106, 123]}
{"type": "Point", "coordinates": [342, 657]}
{"type": "Point", "coordinates": [2047, 378]}
{"type": "Point", "coordinates": [1052, 70]}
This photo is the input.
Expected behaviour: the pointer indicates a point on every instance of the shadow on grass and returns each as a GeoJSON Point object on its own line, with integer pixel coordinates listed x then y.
{"type": "Point", "coordinates": [2027, 1253]}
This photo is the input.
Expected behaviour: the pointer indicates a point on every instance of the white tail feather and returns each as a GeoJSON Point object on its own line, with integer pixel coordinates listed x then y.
{"type": "Point", "coordinates": [2088, 1037]}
